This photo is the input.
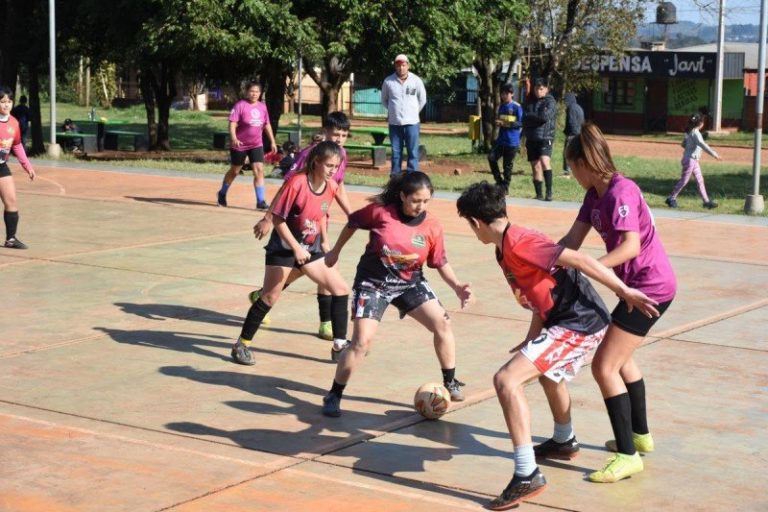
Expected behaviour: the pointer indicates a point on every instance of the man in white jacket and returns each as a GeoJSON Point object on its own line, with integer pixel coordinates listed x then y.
{"type": "Point", "coordinates": [403, 95]}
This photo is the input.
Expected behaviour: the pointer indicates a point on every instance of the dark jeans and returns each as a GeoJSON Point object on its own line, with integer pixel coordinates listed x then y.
{"type": "Point", "coordinates": [508, 154]}
{"type": "Point", "coordinates": [568, 138]}
{"type": "Point", "coordinates": [404, 135]}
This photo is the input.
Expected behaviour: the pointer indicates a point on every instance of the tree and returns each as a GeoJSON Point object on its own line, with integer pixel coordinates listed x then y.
{"type": "Point", "coordinates": [494, 37]}
{"type": "Point", "coordinates": [560, 33]}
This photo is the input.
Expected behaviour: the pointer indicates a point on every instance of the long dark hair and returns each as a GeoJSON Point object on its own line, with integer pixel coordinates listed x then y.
{"type": "Point", "coordinates": [407, 183]}
{"type": "Point", "coordinates": [322, 151]}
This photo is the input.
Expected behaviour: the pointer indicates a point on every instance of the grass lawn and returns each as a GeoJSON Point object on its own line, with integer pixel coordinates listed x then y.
{"type": "Point", "coordinates": [727, 183]}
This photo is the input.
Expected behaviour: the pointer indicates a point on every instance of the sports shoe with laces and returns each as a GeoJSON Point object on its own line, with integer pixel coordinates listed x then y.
{"type": "Point", "coordinates": [519, 488]}
{"type": "Point", "coordinates": [454, 388]}
{"type": "Point", "coordinates": [253, 297]}
{"type": "Point", "coordinates": [336, 351]}
{"type": "Point", "coordinates": [221, 198]}
{"type": "Point", "coordinates": [15, 243]}
{"type": "Point", "coordinates": [325, 331]}
{"type": "Point", "coordinates": [262, 205]}
{"type": "Point", "coordinates": [643, 443]}
{"type": "Point", "coordinates": [619, 467]}
{"type": "Point", "coordinates": [672, 203]}
{"type": "Point", "coordinates": [242, 354]}
{"type": "Point", "coordinates": [332, 405]}
{"type": "Point", "coordinates": [551, 449]}
{"type": "Point", "coordinates": [709, 205]}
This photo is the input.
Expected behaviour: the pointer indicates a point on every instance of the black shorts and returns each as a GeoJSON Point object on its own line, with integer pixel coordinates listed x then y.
{"type": "Point", "coordinates": [370, 300]}
{"type": "Point", "coordinates": [285, 258]}
{"type": "Point", "coordinates": [537, 149]}
{"type": "Point", "coordinates": [255, 155]}
{"type": "Point", "coordinates": [636, 322]}
{"type": "Point", "coordinates": [4, 170]}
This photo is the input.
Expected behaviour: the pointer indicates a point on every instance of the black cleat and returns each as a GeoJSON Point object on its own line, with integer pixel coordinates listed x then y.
{"type": "Point", "coordinates": [221, 198]}
{"type": "Point", "coordinates": [519, 488]}
{"type": "Point", "coordinates": [15, 243]}
{"type": "Point", "coordinates": [332, 405]}
{"type": "Point", "coordinates": [551, 449]}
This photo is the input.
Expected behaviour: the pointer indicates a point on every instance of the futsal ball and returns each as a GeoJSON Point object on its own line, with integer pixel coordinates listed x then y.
{"type": "Point", "coordinates": [432, 400]}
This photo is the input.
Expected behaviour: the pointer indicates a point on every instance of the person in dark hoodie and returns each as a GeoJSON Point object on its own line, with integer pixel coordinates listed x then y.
{"type": "Point", "coordinates": [574, 118]}
{"type": "Point", "coordinates": [539, 128]}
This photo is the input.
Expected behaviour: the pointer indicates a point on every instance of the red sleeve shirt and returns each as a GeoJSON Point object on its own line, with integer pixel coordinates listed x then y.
{"type": "Point", "coordinates": [303, 210]}
{"type": "Point", "coordinates": [397, 246]}
{"type": "Point", "coordinates": [560, 296]}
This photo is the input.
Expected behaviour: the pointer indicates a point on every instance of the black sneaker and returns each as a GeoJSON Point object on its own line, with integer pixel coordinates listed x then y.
{"type": "Point", "coordinates": [709, 205]}
{"type": "Point", "coordinates": [548, 197]}
{"type": "Point", "coordinates": [332, 405]}
{"type": "Point", "coordinates": [242, 354]}
{"type": "Point", "coordinates": [262, 205]}
{"type": "Point", "coordinates": [336, 353]}
{"type": "Point", "coordinates": [519, 488]}
{"type": "Point", "coordinates": [454, 388]}
{"type": "Point", "coordinates": [15, 243]}
{"type": "Point", "coordinates": [551, 449]}
{"type": "Point", "coordinates": [221, 198]}
{"type": "Point", "coordinates": [672, 203]}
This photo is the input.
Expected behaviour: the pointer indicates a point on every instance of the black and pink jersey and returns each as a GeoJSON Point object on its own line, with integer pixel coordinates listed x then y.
{"type": "Point", "coordinates": [303, 210]}
{"type": "Point", "coordinates": [398, 246]}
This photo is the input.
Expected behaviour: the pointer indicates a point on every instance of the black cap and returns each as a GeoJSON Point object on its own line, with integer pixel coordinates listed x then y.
{"type": "Point", "coordinates": [540, 82]}
{"type": "Point", "coordinates": [506, 88]}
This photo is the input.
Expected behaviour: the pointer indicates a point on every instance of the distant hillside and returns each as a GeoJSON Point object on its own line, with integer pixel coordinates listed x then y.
{"type": "Point", "coordinates": [687, 33]}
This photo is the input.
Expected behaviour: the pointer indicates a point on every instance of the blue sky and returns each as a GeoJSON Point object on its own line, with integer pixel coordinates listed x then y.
{"type": "Point", "coordinates": [737, 12]}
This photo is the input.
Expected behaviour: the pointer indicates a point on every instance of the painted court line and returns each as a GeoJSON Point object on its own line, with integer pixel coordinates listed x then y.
{"type": "Point", "coordinates": [125, 439]}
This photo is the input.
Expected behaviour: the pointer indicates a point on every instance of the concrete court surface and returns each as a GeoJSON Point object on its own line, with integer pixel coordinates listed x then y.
{"type": "Point", "coordinates": [117, 391]}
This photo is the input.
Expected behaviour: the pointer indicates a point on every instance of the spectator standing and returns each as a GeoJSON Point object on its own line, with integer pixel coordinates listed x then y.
{"type": "Point", "coordinates": [21, 113]}
{"type": "Point", "coordinates": [539, 128]}
{"type": "Point", "coordinates": [509, 120]}
{"type": "Point", "coordinates": [248, 122]}
{"type": "Point", "coordinates": [574, 118]}
{"type": "Point", "coordinates": [403, 95]}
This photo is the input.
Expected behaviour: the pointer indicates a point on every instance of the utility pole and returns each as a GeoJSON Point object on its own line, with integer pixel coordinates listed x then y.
{"type": "Point", "coordinates": [718, 118]}
{"type": "Point", "coordinates": [754, 203]}
{"type": "Point", "coordinates": [54, 150]}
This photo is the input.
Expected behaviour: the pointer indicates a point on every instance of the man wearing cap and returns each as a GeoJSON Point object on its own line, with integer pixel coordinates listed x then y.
{"type": "Point", "coordinates": [539, 129]}
{"type": "Point", "coordinates": [403, 95]}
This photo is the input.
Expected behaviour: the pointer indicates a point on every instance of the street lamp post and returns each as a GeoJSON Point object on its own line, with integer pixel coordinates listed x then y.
{"type": "Point", "coordinates": [754, 203]}
{"type": "Point", "coordinates": [717, 121]}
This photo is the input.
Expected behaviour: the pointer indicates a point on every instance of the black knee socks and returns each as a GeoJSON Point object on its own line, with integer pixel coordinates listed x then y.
{"type": "Point", "coordinates": [337, 389]}
{"type": "Point", "coordinates": [636, 391]}
{"type": "Point", "coordinates": [324, 307]}
{"type": "Point", "coordinates": [256, 314]}
{"type": "Point", "coordinates": [537, 188]}
{"type": "Point", "coordinates": [339, 316]}
{"type": "Point", "coordinates": [548, 183]}
{"type": "Point", "coordinates": [619, 412]}
{"type": "Point", "coordinates": [11, 223]}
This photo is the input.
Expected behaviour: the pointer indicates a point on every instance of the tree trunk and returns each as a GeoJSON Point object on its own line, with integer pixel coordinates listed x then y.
{"type": "Point", "coordinates": [275, 75]}
{"type": "Point", "coordinates": [330, 81]}
{"type": "Point", "coordinates": [35, 118]}
{"type": "Point", "coordinates": [145, 80]}
{"type": "Point", "coordinates": [485, 95]}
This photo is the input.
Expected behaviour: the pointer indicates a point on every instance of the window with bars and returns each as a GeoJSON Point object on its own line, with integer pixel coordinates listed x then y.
{"type": "Point", "coordinates": [618, 91]}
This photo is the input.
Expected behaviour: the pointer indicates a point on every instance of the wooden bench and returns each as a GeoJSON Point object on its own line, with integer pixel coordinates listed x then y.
{"type": "Point", "coordinates": [86, 141]}
{"type": "Point", "coordinates": [221, 138]}
{"type": "Point", "coordinates": [138, 140]}
{"type": "Point", "coordinates": [378, 153]}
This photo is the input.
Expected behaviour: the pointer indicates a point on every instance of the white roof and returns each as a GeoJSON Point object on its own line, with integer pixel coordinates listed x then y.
{"type": "Point", "coordinates": [748, 49]}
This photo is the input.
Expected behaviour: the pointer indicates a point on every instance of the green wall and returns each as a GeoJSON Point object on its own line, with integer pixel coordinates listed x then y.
{"type": "Point", "coordinates": [637, 106]}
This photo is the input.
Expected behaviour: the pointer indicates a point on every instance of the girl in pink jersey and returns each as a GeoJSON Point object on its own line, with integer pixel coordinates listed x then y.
{"type": "Point", "coordinates": [248, 122]}
{"type": "Point", "coordinates": [299, 241]}
{"type": "Point", "coordinates": [403, 236]}
{"type": "Point", "coordinates": [614, 206]}
{"type": "Point", "coordinates": [10, 141]}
